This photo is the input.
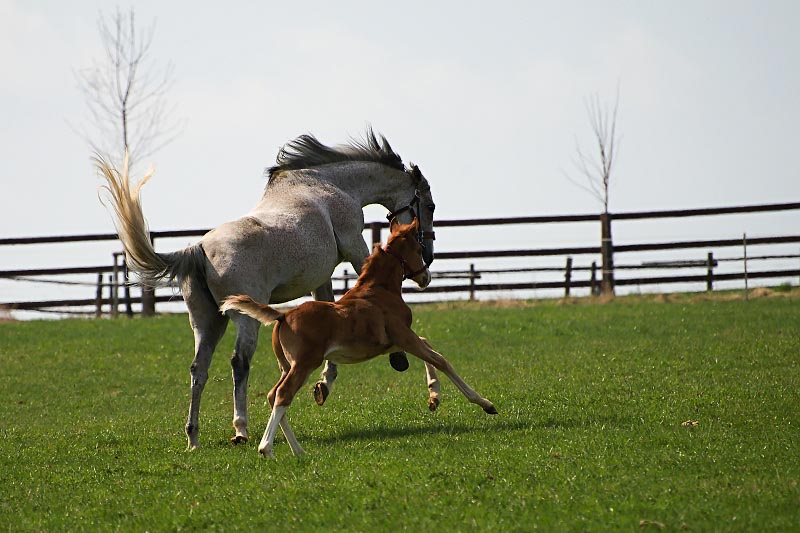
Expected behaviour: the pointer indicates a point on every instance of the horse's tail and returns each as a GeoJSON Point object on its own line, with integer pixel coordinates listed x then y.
{"type": "Point", "coordinates": [135, 235]}
{"type": "Point", "coordinates": [246, 305]}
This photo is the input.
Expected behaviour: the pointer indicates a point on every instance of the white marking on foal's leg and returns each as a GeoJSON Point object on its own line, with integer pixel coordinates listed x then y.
{"type": "Point", "coordinates": [327, 378]}
{"type": "Point", "coordinates": [290, 438]}
{"type": "Point", "coordinates": [433, 386]}
{"type": "Point", "coordinates": [265, 447]}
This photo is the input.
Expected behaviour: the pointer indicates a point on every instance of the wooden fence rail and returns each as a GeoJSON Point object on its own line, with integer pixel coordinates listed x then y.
{"type": "Point", "coordinates": [473, 275]}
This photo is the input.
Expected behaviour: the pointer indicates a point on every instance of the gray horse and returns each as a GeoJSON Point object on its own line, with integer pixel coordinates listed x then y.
{"type": "Point", "coordinates": [309, 220]}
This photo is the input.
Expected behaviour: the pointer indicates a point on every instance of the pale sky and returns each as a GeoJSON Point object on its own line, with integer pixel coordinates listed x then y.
{"type": "Point", "coordinates": [486, 97]}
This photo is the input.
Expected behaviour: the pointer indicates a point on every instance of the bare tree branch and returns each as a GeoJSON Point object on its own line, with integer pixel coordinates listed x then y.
{"type": "Point", "coordinates": [596, 170]}
{"type": "Point", "coordinates": [126, 96]}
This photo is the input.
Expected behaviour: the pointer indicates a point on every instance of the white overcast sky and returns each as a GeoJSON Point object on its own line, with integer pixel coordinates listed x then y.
{"type": "Point", "coordinates": [487, 97]}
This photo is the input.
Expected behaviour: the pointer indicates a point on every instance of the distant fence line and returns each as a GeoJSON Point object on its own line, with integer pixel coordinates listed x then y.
{"type": "Point", "coordinates": [601, 277]}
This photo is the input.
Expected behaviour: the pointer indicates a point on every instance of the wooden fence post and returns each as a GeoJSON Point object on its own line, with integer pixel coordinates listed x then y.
{"type": "Point", "coordinates": [376, 232]}
{"type": "Point", "coordinates": [126, 286]}
{"type": "Point", "coordinates": [472, 282]}
{"type": "Point", "coordinates": [746, 287]}
{"type": "Point", "coordinates": [98, 299]}
{"type": "Point", "coordinates": [149, 296]}
{"type": "Point", "coordinates": [346, 281]}
{"type": "Point", "coordinates": [710, 274]}
{"type": "Point", "coordinates": [568, 277]}
{"type": "Point", "coordinates": [114, 286]}
{"type": "Point", "coordinates": [111, 290]}
{"type": "Point", "coordinates": [607, 254]}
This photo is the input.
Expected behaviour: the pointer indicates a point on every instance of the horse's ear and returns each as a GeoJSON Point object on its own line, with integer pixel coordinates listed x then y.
{"type": "Point", "coordinates": [416, 175]}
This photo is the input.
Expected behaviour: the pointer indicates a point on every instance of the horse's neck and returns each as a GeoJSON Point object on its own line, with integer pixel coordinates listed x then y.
{"type": "Point", "coordinates": [369, 183]}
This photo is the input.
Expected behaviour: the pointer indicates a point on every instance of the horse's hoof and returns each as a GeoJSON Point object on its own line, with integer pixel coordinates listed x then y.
{"type": "Point", "coordinates": [239, 439]}
{"type": "Point", "coordinates": [399, 361]}
{"type": "Point", "coordinates": [320, 393]}
{"type": "Point", "coordinates": [491, 410]}
{"type": "Point", "coordinates": [267, 453]}
{"type": "Point", "coordinates": [433, 403]}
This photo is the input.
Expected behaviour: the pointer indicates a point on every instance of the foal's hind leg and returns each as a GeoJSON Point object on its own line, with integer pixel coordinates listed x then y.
{"type": "Point", "coordinates": [324, 386]}
{"type": "Point", "coordinates": [245, 347]}
{"type": "Point", "coordinates": [208, 326]}
{"type": "Point", "coordinates": [283, 393]}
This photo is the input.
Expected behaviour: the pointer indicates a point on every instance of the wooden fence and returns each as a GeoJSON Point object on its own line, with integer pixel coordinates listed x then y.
{"type": "Point", "coordinates": [593, 276]}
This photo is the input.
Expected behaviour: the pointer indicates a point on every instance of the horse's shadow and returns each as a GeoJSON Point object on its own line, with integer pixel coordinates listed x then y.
{"type": "Point", "coordinates": [398, 432]}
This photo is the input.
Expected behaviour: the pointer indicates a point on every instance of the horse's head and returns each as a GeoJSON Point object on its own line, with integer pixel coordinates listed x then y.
{"type": "Point", "coordinates": [405, 247]}
{"type": "Point", "coordinates": [421, 208]}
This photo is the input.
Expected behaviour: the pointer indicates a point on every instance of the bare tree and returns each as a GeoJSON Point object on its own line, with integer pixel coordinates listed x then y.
{"type": "Point", "coordinates": [126, 94]}
{"type": "Point", "coordinates": [596, 171]}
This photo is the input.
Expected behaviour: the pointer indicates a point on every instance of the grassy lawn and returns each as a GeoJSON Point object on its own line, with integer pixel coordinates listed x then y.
{"type": "Point", "coordinates": [589, 437]}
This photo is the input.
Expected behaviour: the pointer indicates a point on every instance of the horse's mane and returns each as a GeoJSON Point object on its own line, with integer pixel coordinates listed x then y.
{"type": "Point", "coordinates": [306, 152]}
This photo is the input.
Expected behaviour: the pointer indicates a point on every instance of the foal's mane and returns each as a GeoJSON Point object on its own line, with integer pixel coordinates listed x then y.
{"type": "Point", "coordinates": [306, 152]}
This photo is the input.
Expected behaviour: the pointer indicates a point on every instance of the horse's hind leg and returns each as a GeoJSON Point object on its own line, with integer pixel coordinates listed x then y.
{"type": "Point", "coordinates": [245, 347]}
{"type": "Point", "coordinates": [208, 327]}
{"type": "Point", "coordinates": [324, 386]}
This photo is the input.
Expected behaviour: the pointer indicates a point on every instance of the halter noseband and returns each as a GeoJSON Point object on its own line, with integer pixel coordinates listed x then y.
{"type": "Point", "coordinates": [408, 273]}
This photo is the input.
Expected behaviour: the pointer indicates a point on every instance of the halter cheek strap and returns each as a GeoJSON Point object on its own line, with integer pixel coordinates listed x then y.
{"type": "Point", "coordinates": [413, 207]}
{"type": "Point", "coordinates": [408, 273]}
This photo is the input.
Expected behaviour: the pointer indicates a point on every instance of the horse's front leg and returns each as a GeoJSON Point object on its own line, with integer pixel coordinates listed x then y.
{"type": "Point", "coordinates": [324, 386]}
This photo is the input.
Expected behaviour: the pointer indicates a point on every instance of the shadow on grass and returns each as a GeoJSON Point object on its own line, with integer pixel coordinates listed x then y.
{"type": "Point", "coordinates": [397, 432]}
{"type": "Point", "coordinates": [384, 431]}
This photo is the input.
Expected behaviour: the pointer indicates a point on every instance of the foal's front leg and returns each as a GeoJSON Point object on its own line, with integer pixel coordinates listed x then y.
{"type": "Point", "coordinates": [416, 345]}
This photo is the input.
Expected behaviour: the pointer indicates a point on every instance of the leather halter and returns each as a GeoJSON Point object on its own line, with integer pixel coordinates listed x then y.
{"type": "Point", "coordinates": [408, 273]}
{"type": "Point", "coordinates": [413, 207]}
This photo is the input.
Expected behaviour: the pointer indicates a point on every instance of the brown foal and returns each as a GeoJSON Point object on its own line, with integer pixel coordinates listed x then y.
{"type": "Point", "coordinates": [369, 320]}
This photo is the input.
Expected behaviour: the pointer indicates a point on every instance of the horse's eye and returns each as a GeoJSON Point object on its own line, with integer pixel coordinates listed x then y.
{"type": "Point", "coordinates": [431, 206]}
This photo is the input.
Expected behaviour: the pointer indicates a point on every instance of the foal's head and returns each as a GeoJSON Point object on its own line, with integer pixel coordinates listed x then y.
{"type": "Point", "coordinates": [404, 246]}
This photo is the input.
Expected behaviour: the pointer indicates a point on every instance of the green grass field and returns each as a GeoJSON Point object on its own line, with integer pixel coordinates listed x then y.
{"type": "Point", "coordinates": [589, 435]}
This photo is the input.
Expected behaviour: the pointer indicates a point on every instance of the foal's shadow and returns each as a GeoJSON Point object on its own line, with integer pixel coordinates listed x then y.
{"type": "Point", "coordinates": [395, 432]}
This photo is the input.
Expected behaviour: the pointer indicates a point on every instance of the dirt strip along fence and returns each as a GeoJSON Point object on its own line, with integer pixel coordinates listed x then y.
{"type": "Point", "coordinates": [597, 273]}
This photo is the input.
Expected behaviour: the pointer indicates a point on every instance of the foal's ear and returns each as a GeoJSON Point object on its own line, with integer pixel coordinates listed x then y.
{"type": "Point", "coordinates": [394, 225]}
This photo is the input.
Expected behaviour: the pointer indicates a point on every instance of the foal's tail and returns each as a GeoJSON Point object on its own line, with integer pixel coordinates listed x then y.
{"type": "Point", "coordinates": [244, 304]}
{"type": "Point", "coordinates": [135, 235]}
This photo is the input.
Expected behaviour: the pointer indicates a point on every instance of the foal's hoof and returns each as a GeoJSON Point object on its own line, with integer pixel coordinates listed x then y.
{"type": "Point", "coordinates": [433, 403]}
{"type": "Point", "coordinates": [320, 393]}
{"type": "Point", "coordinates": [238, 439]}
{"type": "Point", "coordinates": [399, 361]}
{"type": "Point", "coordinates": [491, 410]}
